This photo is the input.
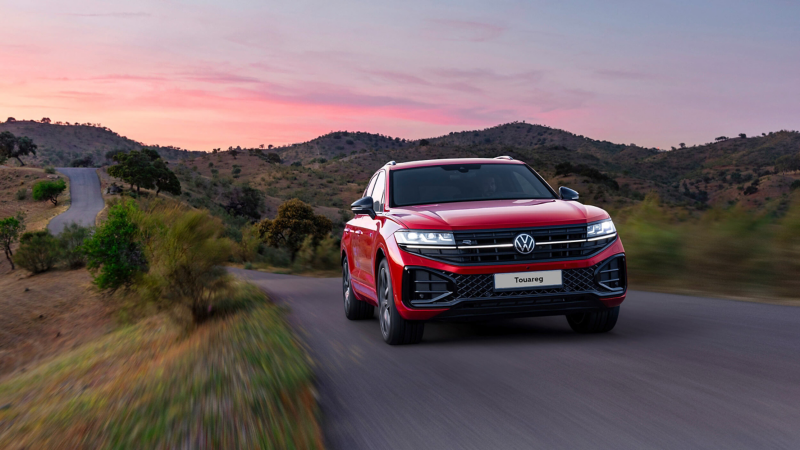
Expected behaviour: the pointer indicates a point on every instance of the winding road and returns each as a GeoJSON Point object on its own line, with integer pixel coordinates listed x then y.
{"type": "Point", "coordinates": [676, 373]}
{"type": "Point", "coordinates": [86, 199]}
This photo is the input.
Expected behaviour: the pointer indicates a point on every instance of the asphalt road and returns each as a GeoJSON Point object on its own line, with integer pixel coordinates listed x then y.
{"type": "Point", "coordinates": [87, 199]}
{"type": "Point", "coordinates": [676, 373]}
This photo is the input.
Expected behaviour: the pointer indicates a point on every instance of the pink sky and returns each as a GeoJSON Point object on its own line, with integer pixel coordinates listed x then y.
{"type": "Point", "coordinates": [208, 74]}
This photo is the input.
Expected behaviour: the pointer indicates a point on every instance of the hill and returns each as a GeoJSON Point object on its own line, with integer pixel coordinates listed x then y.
{"type": "Point", "coordinates": [60, 143]}
{"type": "Point", "coordinates": [331, 170]}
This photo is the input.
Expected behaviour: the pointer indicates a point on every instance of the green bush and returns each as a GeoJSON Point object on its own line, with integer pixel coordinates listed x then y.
{"type": "Point", "coordinates": [324, 256]}
{"type": "Point", "coordinates": [186, 252]}
{"type": "Point", "coordinates": [114, 253]}
{"type": "Point", "coordinates": [50, 170]}
{"type": "Point", "coordinates": [49, 190]}
{"type": "Point", "coordinates": [38, 252]}
{"type": "Point", "coordinates": [71, 240]}
{"type": "Point", "coordinates": [22, 194]}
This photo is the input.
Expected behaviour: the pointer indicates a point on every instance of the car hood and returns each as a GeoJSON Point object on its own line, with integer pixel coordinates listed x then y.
{"type": "Point", "coordinates": [496, 214]}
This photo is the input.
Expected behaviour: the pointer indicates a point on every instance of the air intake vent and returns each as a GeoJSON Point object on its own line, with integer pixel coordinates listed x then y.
{"type": "Point", "coordinates": [611, 275]}
{"type": "Point", "coordinates": [427, 287]}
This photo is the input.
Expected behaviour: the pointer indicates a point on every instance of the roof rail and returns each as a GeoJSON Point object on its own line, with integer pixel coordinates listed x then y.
{"type": "Point", "coordinates": [503, 157]}
{"type": "Point", "coordinates": [390, 163]}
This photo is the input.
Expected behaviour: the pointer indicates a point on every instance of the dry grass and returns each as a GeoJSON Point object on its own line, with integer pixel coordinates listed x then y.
{"type": "Point", "coordinates": [237, 382]}
{"type": "Point", "coordinates": [58, 312]}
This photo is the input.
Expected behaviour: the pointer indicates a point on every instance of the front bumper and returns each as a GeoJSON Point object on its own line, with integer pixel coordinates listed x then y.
{"type": "Point", "coordinates": [431, 290]}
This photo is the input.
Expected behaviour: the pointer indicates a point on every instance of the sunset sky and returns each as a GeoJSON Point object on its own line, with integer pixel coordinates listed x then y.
{"type": "Point", "coordinates": [207, 74]}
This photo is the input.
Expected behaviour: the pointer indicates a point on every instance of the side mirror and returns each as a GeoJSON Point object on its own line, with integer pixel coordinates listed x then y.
{"type": "Point", "coordinates": [363, 206]}
{"type": "Point", "coordinates": [566, 193]}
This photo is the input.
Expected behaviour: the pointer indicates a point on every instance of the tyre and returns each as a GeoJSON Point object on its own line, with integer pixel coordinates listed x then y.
{"type": "Point", "coordinates": [596, 322]}
{"type": "Point", "coordinates": [395, 329]}
{"type": "Point", "coordinates": [354, 309]}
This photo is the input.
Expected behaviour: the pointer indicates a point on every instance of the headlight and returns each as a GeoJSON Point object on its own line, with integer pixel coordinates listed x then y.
{"type": "Point", "coordinates": [600, 229]}
{"type": "Point", "coordinates": [411, 237]}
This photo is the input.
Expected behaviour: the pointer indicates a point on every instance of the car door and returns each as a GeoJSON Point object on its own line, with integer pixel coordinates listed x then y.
{"type": "Point", "coordinates": [371, 230]}
{"type": "Point", "coordinates": [357, 226]}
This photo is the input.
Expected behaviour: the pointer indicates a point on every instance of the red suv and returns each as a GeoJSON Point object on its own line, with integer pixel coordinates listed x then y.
{"type": "Point", "coordinates": [467, 239]}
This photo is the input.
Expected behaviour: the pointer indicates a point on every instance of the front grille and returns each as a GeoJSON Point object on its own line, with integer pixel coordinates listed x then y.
{"type": "Point", "coordinates": [433, 288]}
{"type": "Point", "coordinates": [497, 246]}
{"type": "Point", "coordinates": [482, 286]}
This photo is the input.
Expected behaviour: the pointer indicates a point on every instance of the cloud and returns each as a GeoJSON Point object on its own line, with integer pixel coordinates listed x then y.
{"type": "Point", "coordinates": [464, 30]}
{"type": "Point", "coordinates": [615, 74]}
{"type": "Point", "coordinates": [116, 15]}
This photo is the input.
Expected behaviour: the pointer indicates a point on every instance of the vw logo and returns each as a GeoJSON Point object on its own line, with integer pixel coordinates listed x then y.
{"type": "Point", "coordinates": [524, 243]}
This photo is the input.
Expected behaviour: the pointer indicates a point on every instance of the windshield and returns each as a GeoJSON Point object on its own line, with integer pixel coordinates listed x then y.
{"type": "Point", "coordinates": [465, 182]}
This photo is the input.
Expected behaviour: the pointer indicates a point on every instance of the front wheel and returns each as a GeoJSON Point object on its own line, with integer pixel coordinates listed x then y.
{"type": "Point", "coordinates": [596, 322]}
{"type": "Point", "coordinates": [354, 309]}
{"type": "Point", "coordinates": [395, 329]}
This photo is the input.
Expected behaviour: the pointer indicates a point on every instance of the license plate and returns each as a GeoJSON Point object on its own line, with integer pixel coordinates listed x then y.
{"type": "Point", "coordinates": [527, 280]}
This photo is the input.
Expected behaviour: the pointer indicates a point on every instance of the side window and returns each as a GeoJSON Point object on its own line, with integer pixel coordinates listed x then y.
{"type": "Point", "coordinates": [377, 194]}
{"type": "Point", "coordinates": [368, 190]}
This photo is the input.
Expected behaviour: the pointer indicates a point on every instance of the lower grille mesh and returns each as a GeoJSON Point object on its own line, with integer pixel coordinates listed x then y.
{"type": "Point", "coordinates": [482, 286]}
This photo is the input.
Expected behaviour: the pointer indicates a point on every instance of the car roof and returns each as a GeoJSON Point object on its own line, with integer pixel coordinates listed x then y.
{"type": "Point", "coordinates": [443, 162]}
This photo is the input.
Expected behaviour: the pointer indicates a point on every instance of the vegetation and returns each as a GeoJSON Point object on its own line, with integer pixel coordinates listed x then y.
{"type": "Point", "coordinates": [14, 147]}
{"type": "Point", "coordinates": [114, 253]}
{"type": "Point", "coordinates": [295, 222]}
{"type": "Point", "coordinates": [236, 383]}
{"type": "Point", "coordinates": [10, 230]}
{"type": "Point", "coordinates": [22, 194]}
{"type": "Point", "coordinates": [48, 190]}
{"type": "Point", "coordinates": [71, 240]}
{"type": "Point", "coordinates": [725, 250]}
{"type": "Point", "coordinates": [38, 252]}
{"type": "Point", "coordinates": [145, 169]}
{"type": "Point", "coordinates": [185, 253]}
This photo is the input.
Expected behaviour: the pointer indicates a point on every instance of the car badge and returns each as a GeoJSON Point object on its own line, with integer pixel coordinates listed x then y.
{"type": "Point", "coordinates": [524, 243]}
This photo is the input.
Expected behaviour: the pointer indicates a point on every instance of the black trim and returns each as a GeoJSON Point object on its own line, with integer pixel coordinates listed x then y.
{"type": "Point", "coordinates": [507, 308]}
{"type": "Point", "coordinates": [474, 289]}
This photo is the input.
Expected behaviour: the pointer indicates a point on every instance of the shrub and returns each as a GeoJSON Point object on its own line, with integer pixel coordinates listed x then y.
{"type": "Point", "coordinates": [22, 194]}
{"type": "Point", "coordinates": [10, 229]}
{"type": "Point", "coordinates": [324, 256]}
{"type": "Point", "coordinates": [295, 221]}
{"type": "Point", "coordinates": [71, 240]}
{"type": "Point", "coordinates": [38, 252]}
{"type": "Point", "coordinates": [49, 190]}
{"type": "Point", "coordinates": [186, 252]}
{"type": "Point", "coordinates": [50, 170]}
{"type": "Point", "coordinates": [113, 253]}
{"type": "Point", "coordinates": [246, 250]}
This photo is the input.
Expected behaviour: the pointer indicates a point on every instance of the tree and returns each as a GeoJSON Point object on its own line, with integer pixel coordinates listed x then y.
{"type": "Point", "coordinates": [10, 229]}
{"type": "Point", "coordinates": [14, 147]}
{"type": "Point", "coordinates": [245, 201]}
{"type": "Point", "coordinates": [273, 158]}
{"type": "Point", "coordinates": [721, 138]}
{"type": "Point", "coordinates": [742, 135]}
{"type": "Point", "coordinates": [46, 120]}
{"type": "Point", "coordinates": [295, 222]}
{"type": "Point", "coordinates": [114, 253]}
{"type": "Point", "coordinates": [135, 168]}
{"type": "Point", "coordinates": [165, 179]}
{"type": "Point", "coordinates": [7, 143]}
{"type": "Point", "coordinates": [49, 190]}
{"type": "Point", "coordinates": [424, 143]}
{"type": "Point", "coordinates": [682, 145]}
{"type": "Point", "coordinates": [11, 119]}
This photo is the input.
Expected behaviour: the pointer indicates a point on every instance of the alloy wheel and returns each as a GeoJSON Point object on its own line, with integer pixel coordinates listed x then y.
{"type": "Point", "coordinates": [385, 312]}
